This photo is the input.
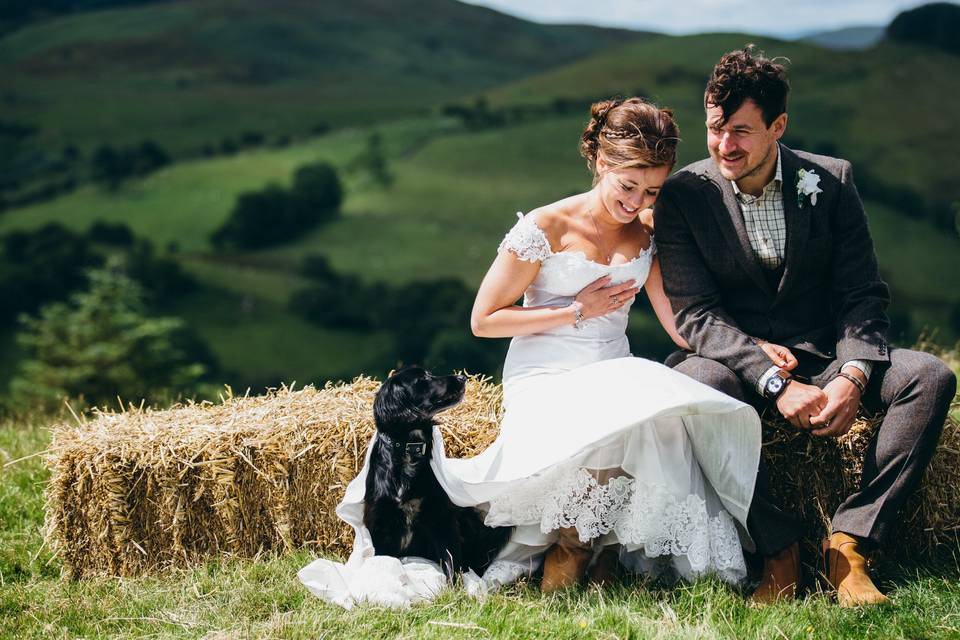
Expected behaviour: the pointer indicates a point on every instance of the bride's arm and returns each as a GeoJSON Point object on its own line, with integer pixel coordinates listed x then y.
{"type": "Point", "coordinates": [661, 304]}
{"type": "Point", "coordinates": [495, 314]}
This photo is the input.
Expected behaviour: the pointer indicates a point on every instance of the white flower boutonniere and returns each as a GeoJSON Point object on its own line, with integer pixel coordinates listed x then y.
{"type": "Point", "coordinates": [807, 185]}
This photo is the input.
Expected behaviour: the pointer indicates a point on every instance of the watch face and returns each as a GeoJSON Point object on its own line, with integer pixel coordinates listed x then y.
{"type": "Point", "coordinates": [774, 384]}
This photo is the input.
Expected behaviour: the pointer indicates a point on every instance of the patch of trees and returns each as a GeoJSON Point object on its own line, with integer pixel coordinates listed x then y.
{"type": "Point", "coordinates": [428, 321]}
{"type": "Point", "coordinates": [102, 344]}
{"type": "Point", "coordinates": [112, 166]}
{"type": "Point", "coordinates": [39, 266]}
{"type": "Point", "coordinates": [50, 263]}
{"type": "Point", "coordinates": [373, 162]}
{"type": "Point", "coordinates": [29, 173]}
{"type": "Point", "coordinates": [89, 312]}
{"type": "Point", "coordinates": [480, 115]}
{"type": "Point", "coordinates": [933, 25]}
{"type": "Point", "coordinates": [251, 139]}
{"type": "Point", "coordinates": [276, 214]}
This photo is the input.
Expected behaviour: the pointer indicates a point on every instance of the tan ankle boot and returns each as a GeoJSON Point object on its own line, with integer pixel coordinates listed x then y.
{"type": "Point", "coordinates": [781, 573]}
{"type": "Point", "coordinates": [845, 570]}
{"type": "Point", "coordinates": [603, 571]}
{"type": "Point", "coordinates": [565, 562]}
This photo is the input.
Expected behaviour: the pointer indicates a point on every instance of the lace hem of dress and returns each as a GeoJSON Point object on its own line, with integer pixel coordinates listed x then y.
{"type": "Point", "coordinates": [526, 240]}
{"type": "Point", "coordinates": [638, 514]}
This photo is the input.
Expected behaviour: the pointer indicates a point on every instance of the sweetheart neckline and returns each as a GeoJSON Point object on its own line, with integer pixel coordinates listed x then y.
{"type": "Point", "coordinates": [583, 255]}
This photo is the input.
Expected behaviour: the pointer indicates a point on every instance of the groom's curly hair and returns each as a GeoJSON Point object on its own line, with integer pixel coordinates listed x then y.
{"type": "Point", "coordinates": [746, 74]}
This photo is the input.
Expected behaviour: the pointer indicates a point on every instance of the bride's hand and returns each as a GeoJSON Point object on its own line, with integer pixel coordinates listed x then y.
{"type": "Point", "coordinates": [779, 355]}
{"type": "Point", "coordinates": [600, 297]}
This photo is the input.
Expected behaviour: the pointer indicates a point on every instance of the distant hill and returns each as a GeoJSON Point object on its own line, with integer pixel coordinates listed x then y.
{"type": "Point", "coordinates": [848, 38]}
{"type": "Point", "coordinates": [197, 70]}
{"type": "Point", "coordinates": [16, 13]}
{"type": "Point", "coordinates": [935, 25]}
{"type": "Point", "coordinates": [888, 109]}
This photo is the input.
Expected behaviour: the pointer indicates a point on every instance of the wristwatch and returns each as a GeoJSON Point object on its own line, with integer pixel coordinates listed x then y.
{"type": "Point", "coordinates": [776, 384]}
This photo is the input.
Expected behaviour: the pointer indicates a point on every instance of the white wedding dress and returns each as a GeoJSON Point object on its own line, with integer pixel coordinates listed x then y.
{"type": "Point", "coordinates": [625, 450]}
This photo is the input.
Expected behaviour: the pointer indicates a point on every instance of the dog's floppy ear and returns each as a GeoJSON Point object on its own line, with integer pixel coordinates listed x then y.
{"type": "Point", "coordinates": [394, 404]}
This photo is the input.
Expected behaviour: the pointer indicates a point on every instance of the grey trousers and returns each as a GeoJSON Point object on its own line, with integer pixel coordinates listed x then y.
{"type": "Point", "coordinates": [914, 390]}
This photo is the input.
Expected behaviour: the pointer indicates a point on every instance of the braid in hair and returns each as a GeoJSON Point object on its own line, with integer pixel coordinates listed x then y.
{"type": "Point", "coordinates": [590, 140]}
{"type": "Point", "coordinates": [630, 133]}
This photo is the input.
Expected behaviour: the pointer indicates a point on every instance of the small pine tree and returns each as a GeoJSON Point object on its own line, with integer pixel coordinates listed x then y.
{"type": "Point", "coordinates": [101, 345]}
{"type": "Point", "coordinates": [373, 161]}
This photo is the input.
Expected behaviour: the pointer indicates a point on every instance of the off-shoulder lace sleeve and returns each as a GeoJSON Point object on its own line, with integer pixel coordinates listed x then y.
{"type": "Point", "coordinates": [526, 240]}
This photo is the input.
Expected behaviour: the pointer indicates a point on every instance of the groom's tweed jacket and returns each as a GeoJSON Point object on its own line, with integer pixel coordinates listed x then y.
{"type": "Point", "coordinates": [830, 302]}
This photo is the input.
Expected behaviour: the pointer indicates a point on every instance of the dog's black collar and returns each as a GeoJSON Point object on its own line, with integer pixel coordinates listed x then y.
{"type": "Point", "coordinates": [415, 449]}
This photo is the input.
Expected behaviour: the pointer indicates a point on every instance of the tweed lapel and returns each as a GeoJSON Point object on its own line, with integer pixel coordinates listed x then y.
{"type": "Point", "coordinates": [797, 220]}
{"type": "Point", "coordinates": [730, 218]}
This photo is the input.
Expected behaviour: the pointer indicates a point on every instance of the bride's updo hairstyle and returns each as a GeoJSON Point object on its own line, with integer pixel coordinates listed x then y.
{"type": "Point", "coordinates": [630, 133]}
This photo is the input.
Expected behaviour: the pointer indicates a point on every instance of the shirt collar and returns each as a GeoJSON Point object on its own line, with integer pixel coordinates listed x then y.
{"type": "Point", "coordinates": [777, 179]}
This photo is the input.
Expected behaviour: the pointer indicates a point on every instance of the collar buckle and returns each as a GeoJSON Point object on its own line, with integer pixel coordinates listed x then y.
{"type": "Point", "coordinates": [418, 449]}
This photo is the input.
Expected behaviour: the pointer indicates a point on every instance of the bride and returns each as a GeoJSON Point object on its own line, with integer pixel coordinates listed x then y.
{"type": "Point", "coordinates": [602, 458]}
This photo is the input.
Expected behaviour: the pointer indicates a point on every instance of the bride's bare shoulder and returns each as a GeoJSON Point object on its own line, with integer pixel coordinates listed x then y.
{"type": "Point", "coordinates": [555, 218]}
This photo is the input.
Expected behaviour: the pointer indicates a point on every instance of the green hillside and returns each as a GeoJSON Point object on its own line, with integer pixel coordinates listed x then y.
{"type": "Point", "coordinates": [457, 185]}
{"type": "Point", "coordinates": [889, 109]}
{"type": "Point", "coordinates": [453, 197]}
{"type": "Point", "coordinates": [196, 71]}
{"type": "Point", "coordinates": [847, 38]}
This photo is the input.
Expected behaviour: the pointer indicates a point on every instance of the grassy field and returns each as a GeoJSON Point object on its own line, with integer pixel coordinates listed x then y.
{"type": "Point", "coordinates": [231, 598]}
{"type": "Point", "coordinates": [454, 195]}
{"type": "Point", "coordinates": [455, 191]}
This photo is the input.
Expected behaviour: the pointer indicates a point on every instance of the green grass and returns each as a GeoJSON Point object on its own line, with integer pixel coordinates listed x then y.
{"type": "Point", "coordinates": [231, 598]}
{"type": "Point", "coordinates": [259, 343]}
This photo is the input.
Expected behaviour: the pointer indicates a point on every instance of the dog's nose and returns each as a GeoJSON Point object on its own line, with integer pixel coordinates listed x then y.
{"type": "Point", "coordinates": [461, 378]}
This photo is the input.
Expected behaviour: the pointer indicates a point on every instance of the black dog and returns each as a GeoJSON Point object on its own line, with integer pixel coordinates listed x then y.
{"type": "Point", "coordinates": [405, 509]}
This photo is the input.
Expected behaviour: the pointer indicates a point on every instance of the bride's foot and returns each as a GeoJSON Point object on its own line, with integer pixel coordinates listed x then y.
{"type": "Point", "coordinates": [603, 571]}
{"type": "Point", "coordinates": [563, 567]}
{"type": "Point", "coordinates": [565, 562]}
{"type": "Point", "coordinates": [781, 573]}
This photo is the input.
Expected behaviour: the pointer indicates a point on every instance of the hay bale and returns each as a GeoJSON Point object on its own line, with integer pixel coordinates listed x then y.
{"type": "Point", "coordinates": [811, 476]}
{"type": "Point", "coordinates": [142, 490]}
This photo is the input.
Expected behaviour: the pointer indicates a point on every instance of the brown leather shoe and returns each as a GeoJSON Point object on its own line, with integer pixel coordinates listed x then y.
{"type": "Point", "coordinates": [563, 567]}
{"type": "Point", "coordinates": [781, 573]}
{"type": "Point", "coordinates": [603, 571]}
{"type": "Point", "coordinates": [845, 570]}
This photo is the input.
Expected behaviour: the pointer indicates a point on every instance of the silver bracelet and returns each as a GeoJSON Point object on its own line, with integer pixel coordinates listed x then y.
{"type": "Point", "coordinates": [577, 316]}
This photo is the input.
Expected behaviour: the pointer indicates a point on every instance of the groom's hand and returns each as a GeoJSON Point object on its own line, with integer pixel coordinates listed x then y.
{"type": "Point", "coordinates": [800, 402]}
{"type": "Point", "coordinates": [843, 400]}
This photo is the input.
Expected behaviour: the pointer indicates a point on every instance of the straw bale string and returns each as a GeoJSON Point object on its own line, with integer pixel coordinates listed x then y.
{"type": "Point", "coordinates": [141, 490]}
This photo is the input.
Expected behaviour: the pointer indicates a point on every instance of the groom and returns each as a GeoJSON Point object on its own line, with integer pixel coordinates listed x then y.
{"type": "Point", "coordinates": [760, 242]}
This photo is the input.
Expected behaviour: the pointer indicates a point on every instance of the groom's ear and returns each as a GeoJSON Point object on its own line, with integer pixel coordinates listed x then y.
{"type": "Point", "coordinates": [779, 125]}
